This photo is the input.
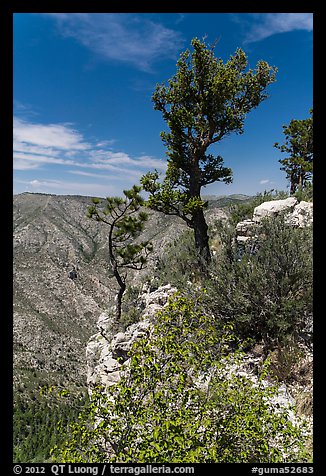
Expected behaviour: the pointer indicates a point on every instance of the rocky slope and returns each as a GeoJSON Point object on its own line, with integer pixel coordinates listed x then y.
{"type": "Point", "coordinates": [54, 316]}
{"type": "Point", "coordinates": [107, 351]}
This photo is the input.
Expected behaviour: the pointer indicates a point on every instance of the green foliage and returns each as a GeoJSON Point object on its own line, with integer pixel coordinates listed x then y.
{"type": "Point", "coordinates": [124, 227]}
{"type": "Point", "coordinates": [131, 311]}
{"type": "Point", "coordinates": [299, 145]}
{"type": "Point", "coordinates": [35, 424]}
{"type": "Point", "coordinates": [179, 400]}
{"type": "Point", "coordinates": [305, 193]}
{"type": "Point", "coordinates": [266, 291]}
{"type": "Point", "coordinates": [284, 359]}
{"type": "Point", "coordinates": [179, 263]}
{"type": "Point", "coordinates": [125, 223]}
{"type": "Point", "coordinates": [205, 101]}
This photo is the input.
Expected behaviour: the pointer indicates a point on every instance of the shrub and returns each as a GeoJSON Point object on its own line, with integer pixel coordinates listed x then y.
{"type": "Point", "coordinates": [266, 294]}
{"type": "Point", "coordinates": [180, 262]}
{"type": "Point", "coordinates": [177, 402]}
{"type": "Point", "coordinates": [305, 193]}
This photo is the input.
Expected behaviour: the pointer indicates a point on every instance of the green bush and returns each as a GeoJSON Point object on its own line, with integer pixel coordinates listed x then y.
{"type": "Point", "coordinates": [266, 291]}
{"type": "Point", "coordinates": [305, 193]}
{"type": "Point", "coordinates": [178, 400]}
{"type": "Point", "coordinates": [131, 312]}
{"type": "Point", "coordinates": [180, 263]}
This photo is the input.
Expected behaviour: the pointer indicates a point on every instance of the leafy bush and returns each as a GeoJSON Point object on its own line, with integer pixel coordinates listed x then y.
{"type": "Point", "coordinates": [178, 400]}
{"type": "Point", "coordinates": [305, 193]}
{"type": "Point", "coordinates": [131, 312]}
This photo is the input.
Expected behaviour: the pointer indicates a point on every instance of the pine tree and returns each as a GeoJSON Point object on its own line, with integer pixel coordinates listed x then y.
{"type": "Point", "coordinates": [299, 145]}
{"type": "Point", "coordinates": [125, 222]}
{"type": "Point", "coordinates": [205, 101]}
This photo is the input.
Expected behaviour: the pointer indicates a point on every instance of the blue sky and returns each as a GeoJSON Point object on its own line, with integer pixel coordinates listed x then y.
{"type": "Point", "coordinates": [84, 122]}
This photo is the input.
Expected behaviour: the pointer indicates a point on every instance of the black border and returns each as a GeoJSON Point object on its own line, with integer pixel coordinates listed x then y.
{"type": "Point", "coordinates": [7, 9]}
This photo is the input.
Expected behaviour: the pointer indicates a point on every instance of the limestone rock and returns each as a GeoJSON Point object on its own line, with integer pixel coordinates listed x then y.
{"type": "Point", "coordinates": [245, 230]}
{"type": "Point", "coordinates": [274, 208]}
{"type": "Point", "coordinates": [302, 215]}
{"type": "Point", "coordinates": [106, 323]}
{"type": "Point", "coordinates": [153, 300]}
{"type": "Point", "coordinates": [245, 227]}
{"type": "Point", "coordinates": [107, 352]}
{"type": "Point", "coordinates": [123, 341]}
{"type": "Point", "coordinates": [296, 214]}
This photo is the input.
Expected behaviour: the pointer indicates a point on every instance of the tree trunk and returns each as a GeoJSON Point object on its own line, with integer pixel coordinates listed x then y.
{"type": "Point", "coordinates": [122, 288]}
{"type": "Point", "coordinates": [119, 300]}
{"type": "Point", "coordinates": [199, 224]}
{"type": "Point", "coordinates": [293, 183]}
{"type": "Point", "coordinates": [120, 280]}
{"type": "Point", "coordinates": [201, 235]}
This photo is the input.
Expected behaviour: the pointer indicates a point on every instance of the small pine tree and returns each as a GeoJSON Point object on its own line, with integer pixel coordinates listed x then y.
{"type": "Point", "coordinates": [299, 145]}
{"type": "Point", "coordinates": [125, 222]}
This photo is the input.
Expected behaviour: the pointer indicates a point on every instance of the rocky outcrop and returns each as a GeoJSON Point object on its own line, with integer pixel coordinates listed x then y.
{"type": "Point", "coordinates": [107, 358]}
{"type": "Point", "coordinates": [302, 215]}
{"type": "Point", "coordinates": [108, 350]}
{"type": "Point", "coordinates": [295, 214]}
{"type": "Point", "coordinates": [273, 208]}
{"type": "Point", "coordinates": [245, 230]}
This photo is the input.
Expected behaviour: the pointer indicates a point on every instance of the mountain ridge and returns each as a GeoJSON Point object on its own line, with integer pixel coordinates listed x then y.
{"type": "Point", "coordinates": [53, 315]}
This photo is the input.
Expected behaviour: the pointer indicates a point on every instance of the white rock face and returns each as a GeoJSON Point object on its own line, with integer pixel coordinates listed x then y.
{"type": "Point", "coordinates": [245, 230]}
{"type": "Point", "coordinates": [123, 341]}
{"type": "Point", "coordinates": [297, 215]}
{"type": "Point", "coordinates": [153, 301]}
{"type": "Point", "coordinates": [106, 352]}
{"type": "Point", "coordinates": [273, 208]}
{"type": "Point", "coordinates": [302, 215]}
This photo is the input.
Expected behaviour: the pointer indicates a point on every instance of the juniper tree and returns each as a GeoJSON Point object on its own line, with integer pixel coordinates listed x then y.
{"type": "Point", "coordinates": [205, 101]}
{"type": "Point", "coordinates": [299, 145]}
{"type": "Point", "coordinates": [125, 221]}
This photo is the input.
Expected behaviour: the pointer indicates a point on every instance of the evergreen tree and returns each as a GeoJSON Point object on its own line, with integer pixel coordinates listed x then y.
{"type": "Point", "coordinates": [126, 222]}
{"type": "Point", "coordinates": [299, 145]}
{"type": "Point", "coordinates": [205, 101]}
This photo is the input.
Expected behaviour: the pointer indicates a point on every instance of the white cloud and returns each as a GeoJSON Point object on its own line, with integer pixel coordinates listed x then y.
{"type": "Point", "coordinates": [262, 182]}
{"type": "Point", "coordinates": [40, 159]}
{"type": "Point", "coordinates": [62, 187]}
{"type": "Point", "coordinates": [27, 148]}
{"type": "Point", "coordinates": [104, 158]}
{"type": "Point", "coordinates": [120, 174]}
{"type": "Point", "coordinates": [268, 24]}
{"type": "Point", "coordinates": [107, 157]}
{"type": "Point", "coordinates": [21, 164]}
{"type": "Point", "coordinates": [105, 143]}
{"type": "Point", "coordinates": [42, 146]}
{"type": "Point", "coordinates": [122, 37]}
{"type": "Point", "coordinates": [58, 136]}
{"type": "Point", "coordinates": [37, 144]}
{"type": "Point", "coordinates": [60, 144]}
